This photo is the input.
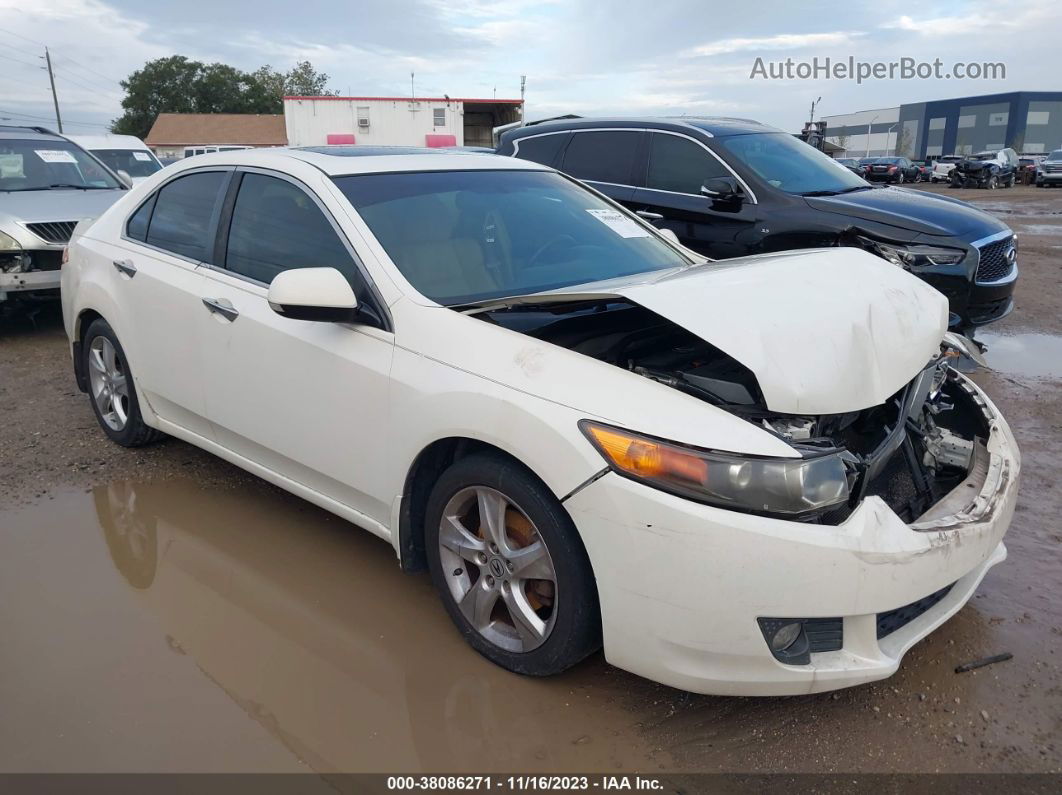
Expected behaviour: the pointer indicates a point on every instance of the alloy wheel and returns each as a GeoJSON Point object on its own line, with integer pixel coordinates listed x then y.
{"type": "Point", "coordinates": [498, 569]}
{"type": "Point", "coordinates": [108, 383]}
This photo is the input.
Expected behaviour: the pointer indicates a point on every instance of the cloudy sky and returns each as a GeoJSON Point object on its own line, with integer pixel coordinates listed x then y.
{"type": "Point", "coordinates": [580, 56]}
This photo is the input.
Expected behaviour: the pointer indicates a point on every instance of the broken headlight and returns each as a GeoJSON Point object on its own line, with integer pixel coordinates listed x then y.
{"type": "Point", "coordinates": [8, 243]}
{"type": "Point", "coordinates": [913, 256]}
{"type": "Point", "coordinates": [785, 486]}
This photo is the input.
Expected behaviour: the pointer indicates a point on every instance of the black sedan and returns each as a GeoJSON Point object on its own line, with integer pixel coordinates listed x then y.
{"type": "Point", "coordinates": [892, 169]}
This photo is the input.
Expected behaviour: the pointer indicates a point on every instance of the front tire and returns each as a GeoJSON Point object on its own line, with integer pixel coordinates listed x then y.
{"type": "Point", "coordinates": [992, 183]}
{"type": "Point", "coordinates": [510, 567]}
{"type": "Point", "coordinates": [111, 388]}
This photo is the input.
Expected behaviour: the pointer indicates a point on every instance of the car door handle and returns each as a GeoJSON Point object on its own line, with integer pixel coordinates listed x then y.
{"type": "Point", "coordinates": [221, 306]}
{"type": "Point", "coordinates": [649, 216]}
{"type": "Point", "coordinates": [125, 267]}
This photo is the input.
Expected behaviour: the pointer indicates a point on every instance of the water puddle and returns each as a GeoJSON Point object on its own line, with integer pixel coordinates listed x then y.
{"type": "Point", "coordinates": [1025, 355]}
{"type": "Point", "coordinates": [173, 627]}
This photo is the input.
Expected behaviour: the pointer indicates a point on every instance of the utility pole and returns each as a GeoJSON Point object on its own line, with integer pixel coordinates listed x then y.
{"type": "Point", "coordinates": [523, 113]}
{"type": "Point", "coordinates": [412, 89]}
{"type": "Point", "coordinates": [813, 104]}
{"type": "Point", "coordinates": [51, 79]}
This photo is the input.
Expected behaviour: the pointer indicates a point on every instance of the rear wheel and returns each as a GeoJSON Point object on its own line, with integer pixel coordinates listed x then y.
{"type": "Point", "coordinates": [510, 567]}
{"type": "Point", "coordinates": [111, 388]}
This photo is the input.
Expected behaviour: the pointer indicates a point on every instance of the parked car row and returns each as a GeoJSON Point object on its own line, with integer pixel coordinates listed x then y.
{"type": "Point", "coordinates": [1049, 171]}
{"type": "Point", "coordinates": [741, 477]}
{"type": "Point", "coordinates": [730, 188]}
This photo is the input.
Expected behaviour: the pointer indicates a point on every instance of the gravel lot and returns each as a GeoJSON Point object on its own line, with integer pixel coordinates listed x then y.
{"type": "Point", "coordinates": [271, 636]}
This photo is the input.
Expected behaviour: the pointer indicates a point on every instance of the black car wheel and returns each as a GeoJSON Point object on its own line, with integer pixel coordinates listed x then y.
{"type": "Point", "coordinates": [992, 183]}
{"type": "Point", "coordinates": [899, 179]}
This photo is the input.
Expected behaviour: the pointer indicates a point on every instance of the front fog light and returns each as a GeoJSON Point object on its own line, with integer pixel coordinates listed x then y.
{"type": "Point", "coordinates": [785, 636]}
{"type": "Point", "coordinates": [787, 640]}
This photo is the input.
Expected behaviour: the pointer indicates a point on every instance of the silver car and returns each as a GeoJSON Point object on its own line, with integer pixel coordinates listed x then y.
{"type": "Point", "coordinates": [47, 185]}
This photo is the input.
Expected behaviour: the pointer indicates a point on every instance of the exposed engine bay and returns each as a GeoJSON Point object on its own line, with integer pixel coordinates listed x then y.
{"type": "Point", "coordinates": [910, 451]}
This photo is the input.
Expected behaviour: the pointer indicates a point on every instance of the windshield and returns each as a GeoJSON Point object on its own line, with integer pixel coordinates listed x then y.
{"type": "Point", "coordinates": [464, 236]}
{"type": "Point", "coordinates": [134, 162]}
{"type": "Point", "coordinates": [45, 165]}
{"type": "Point", "coordinates": [886, 160]}
{"type": "Point", "coordinates": [984, 156]}
{"type": "Point", "coordinates": [791, 165]}
{"type": "Point", "coordinates": [1055, 155]}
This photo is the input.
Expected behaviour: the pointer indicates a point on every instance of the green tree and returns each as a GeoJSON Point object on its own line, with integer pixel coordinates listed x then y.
{"type": "Point", "coordinates": [302, 80]}
{"type": "Point", "coordinates": [179, 85]}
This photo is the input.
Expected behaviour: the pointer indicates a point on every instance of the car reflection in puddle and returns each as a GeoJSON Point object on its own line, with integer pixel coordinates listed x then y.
{"type": "Point", "coordinates": [310, 626]}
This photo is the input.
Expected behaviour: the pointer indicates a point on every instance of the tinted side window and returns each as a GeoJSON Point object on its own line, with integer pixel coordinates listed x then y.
{"type": "Point", "coordinates": [181, 221]}
{"type": "Point", "coordinates": [602, 156]}
{"type": "Point", "coordinates": [137, 225]}
{"type": "Point", "coordinates": [276, 227]}
{"type": "Point", "coordinates": [541, 148]}
{"type": "Point", "coordinates": [680, 165]}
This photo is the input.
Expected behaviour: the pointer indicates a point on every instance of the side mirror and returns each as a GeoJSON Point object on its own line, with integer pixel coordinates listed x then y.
{"type": "Point", "coordinates": [721, 189]}
{"type": "Point", "coordinates": [125, 179]}
{"type": "Point", "coordinates": [321, 294]}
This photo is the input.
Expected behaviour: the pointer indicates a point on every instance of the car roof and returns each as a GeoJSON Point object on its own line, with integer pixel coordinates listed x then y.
{"type": "Point", "coordinates": [344, 160]}
{"type": "Point", "coordinates": [108, 141]}
{"type": "Point", "coordinates": [39, 133]}
{"type": "Point", "coordinates": [713, 126]}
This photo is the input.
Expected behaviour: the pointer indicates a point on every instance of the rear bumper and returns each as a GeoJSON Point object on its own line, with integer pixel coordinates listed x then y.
{"type": "Point", "coordinates": [682, 584]}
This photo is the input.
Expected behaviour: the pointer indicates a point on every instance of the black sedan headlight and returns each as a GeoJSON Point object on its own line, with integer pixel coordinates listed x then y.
{"type": "Point", "coordinates": [913, 256]}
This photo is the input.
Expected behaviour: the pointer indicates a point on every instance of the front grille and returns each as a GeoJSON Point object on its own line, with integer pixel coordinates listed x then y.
{"type": "Point", "coordinates": [53, 231]}
{"type": "Point", "coordinates": [824, 634]}
{"type": "Point", "coordinates": [993, 264]}
{"type": "Point", "coordinates": [902, 616]}
{"type": "Point", "coordinates": [1053, 168]}
{"type": "Point", "coordinates": [46, 260]}
{"type": "Point", "coordinates": [988, 311]}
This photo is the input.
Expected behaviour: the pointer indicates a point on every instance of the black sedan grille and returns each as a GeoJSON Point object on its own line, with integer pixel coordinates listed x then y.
{"type": "Point", "coordinates": [902, 616]}
{"type": "Point", "coordinates": [53, 231]}
{"type": "Point", "coordinates": [994, 264]}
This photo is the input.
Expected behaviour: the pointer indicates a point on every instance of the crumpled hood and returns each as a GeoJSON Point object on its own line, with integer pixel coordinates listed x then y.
{"type": "Point", "coordinates": [824, 331]}
{"type": "Point", "coordinates": [918, 211]}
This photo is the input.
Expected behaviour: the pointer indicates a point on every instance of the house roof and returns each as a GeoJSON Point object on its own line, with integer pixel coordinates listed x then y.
{"type": "Point", "coordinates": [183, 129]}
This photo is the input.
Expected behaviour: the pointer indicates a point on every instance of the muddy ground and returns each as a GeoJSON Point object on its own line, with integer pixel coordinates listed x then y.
{"type": "Point", "coordinates": [163, 610]}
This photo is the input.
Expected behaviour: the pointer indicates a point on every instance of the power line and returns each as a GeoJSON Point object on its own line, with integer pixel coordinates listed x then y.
{"type": "Point", "coordinates": [81, 85]}
{"type": "Point", "coordinates": [27, 116]}
{"type": "Point", "coordinates": [24, 63]}
{"type": "Point", "coordinates": [90, 69]}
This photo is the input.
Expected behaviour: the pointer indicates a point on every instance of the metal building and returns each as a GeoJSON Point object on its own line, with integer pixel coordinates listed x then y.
{"type": "Point", "coordinates": [1030, 122]}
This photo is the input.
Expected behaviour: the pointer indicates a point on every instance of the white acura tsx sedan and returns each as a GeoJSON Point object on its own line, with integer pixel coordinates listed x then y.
{"type": "Point", "coordinates": [758, 476]}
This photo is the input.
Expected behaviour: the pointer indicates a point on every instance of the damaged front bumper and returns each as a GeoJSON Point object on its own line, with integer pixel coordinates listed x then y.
{"type": "Point", "coordinates": [684, 585]}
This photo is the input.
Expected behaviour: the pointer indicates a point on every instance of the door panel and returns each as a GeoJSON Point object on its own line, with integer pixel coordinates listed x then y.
{"type": "Point", "coordinates": [305, 399]}
{"type": "Point", "coordinates": [677, 168]}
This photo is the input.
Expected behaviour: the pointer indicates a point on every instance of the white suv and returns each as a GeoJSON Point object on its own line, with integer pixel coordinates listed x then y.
{"type": "Point", "coordinates": [758, 476]}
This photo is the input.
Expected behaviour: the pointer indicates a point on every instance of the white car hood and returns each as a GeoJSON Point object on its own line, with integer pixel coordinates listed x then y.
{"type": "Point", "coordinates": [825, 331]}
